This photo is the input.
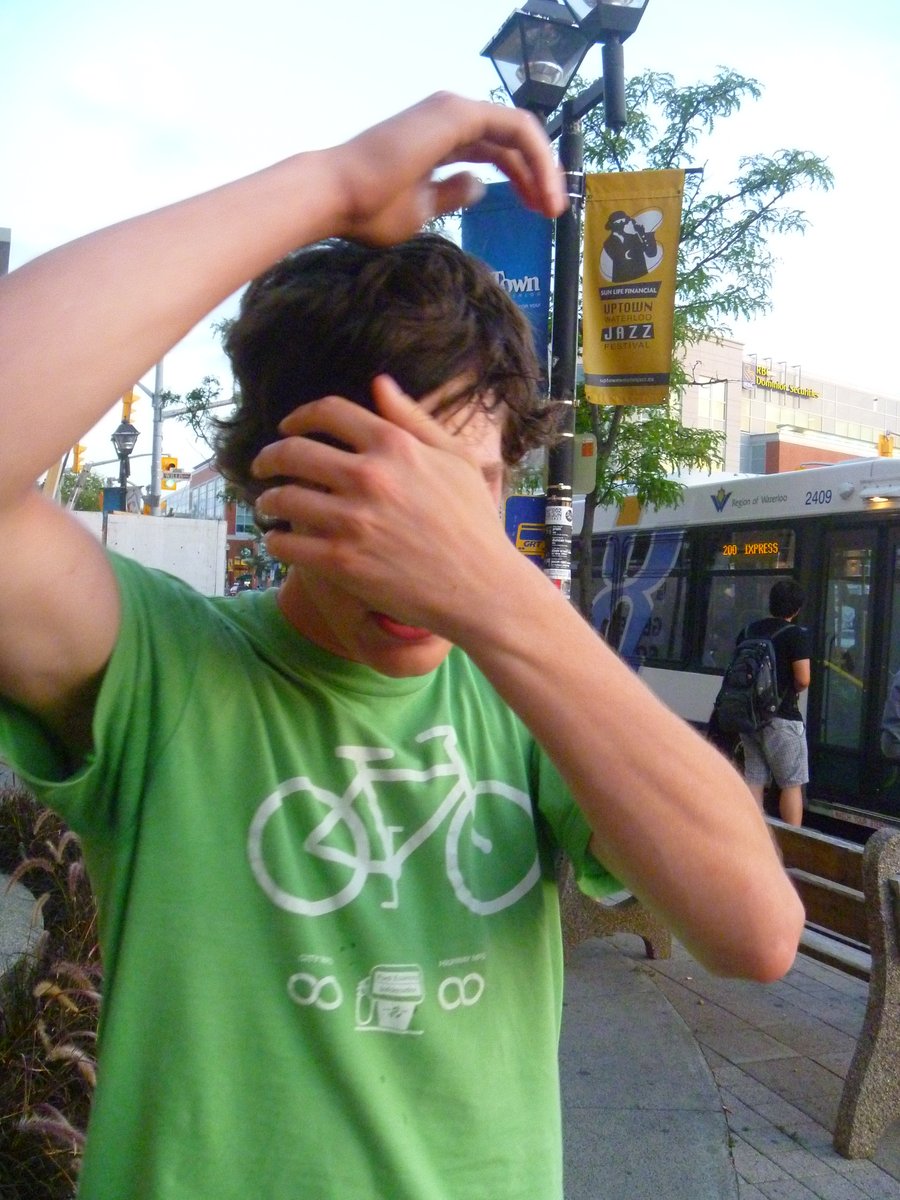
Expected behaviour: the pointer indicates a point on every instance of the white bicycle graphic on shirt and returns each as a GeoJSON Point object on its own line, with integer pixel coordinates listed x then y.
{"type": "Point", "coordinates": [342, 815]}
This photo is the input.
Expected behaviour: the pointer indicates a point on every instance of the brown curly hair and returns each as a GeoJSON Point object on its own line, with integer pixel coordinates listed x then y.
{"type": "Point", "coordinates": [329, 318]}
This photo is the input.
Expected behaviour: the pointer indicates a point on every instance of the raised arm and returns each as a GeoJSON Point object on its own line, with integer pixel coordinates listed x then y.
{"type": "Point", "coordinates": [671, 818]}
{"type": "Point", "coordinates": [87, 319]}
{"type": "Point", "coordinates": [83, 322]}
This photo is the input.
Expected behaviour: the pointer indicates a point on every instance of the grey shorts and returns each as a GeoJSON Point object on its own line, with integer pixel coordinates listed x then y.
{"type": "Point", "coordinates": [776, 751]}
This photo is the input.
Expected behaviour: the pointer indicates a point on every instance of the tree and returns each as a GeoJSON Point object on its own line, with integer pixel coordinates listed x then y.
{"type": "Point", "coordinates": [725, 266]}
{"type": "Point", "coordinates": [89, 495]}
{"type": "Point", "coordinates": [197, 404]}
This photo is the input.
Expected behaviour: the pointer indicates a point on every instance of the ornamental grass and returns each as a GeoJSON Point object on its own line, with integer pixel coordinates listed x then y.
{"type": "Point", "coordinates": [49, 1006]}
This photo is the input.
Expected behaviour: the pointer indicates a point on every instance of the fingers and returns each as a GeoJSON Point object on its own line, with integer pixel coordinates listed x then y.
{"type": "Point", "coordinates": [376, 455]}
{"type": "Point", "coordinates": [310, 513]}
{"type": "Point", "coordinates": [385, 174]}
{"type": "Point", "coordinates": [514, 140]}
{"type": "Point", "coordinates": [413, 416]}
{"type": "Point", "coordinates": [304, 461]}
{"type": "Point", "coordinates": [361, 430]}
{"type": "Point", "coordinates": [314, 464]}
{"type": "Point", "coordinates": [538, 182]}
{"type": "Point", "coordinates": [457, 191]}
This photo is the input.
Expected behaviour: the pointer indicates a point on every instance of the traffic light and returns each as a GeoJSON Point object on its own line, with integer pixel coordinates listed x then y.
{"type": "Point", "coordinates": [128, 402]}
{"type": "Point", "coordinates": [886, 445]}
{"type": "Point", "coordinates": [168, 463]}
{"type": "Point", "coordinates": [78, 457]}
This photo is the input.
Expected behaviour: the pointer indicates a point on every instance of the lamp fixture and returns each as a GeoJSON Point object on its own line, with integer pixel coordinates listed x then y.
{"type": "Point", "coordinates": [124, 439]}
{"type": "Point", "coordinates": [603, 19]}
{"type": "Point", "coordinates": [610, 22]}
{"type": "Point", "coordinates": [536, 53]}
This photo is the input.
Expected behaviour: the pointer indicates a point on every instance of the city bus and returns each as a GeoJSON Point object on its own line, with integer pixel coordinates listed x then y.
{"type": "Point", "coordinates": [673, 587]}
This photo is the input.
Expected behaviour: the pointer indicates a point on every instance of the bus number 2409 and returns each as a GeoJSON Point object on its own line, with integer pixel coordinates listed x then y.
{"type": "Point", "coordinates": [821, 497]}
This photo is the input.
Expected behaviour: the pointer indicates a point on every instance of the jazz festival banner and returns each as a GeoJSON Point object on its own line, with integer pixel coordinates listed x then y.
{"type": "Point", "coordinates": [631, 232]}
{"type": "Point", "coordinates": [516, 244]}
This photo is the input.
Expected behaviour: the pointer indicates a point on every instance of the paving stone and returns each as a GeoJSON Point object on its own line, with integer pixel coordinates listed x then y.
{"type": "Point", "coordinates": [788, 1189]}
{"type": "Point", "coordinates": [869, 1179]}
{"type": "Point", "coordinates": [768, 1139]}
{"type": "Point", "coordinates": [753, 1166]}
{"type": "Point", "coordinates": [737, 1110]}
{"type": "Point", "coordinates": [781, 1112]}
{"type": "Point", "coordinates": [750, 1091]}
{"type": "Point", "coordinates": [810, 1168]}
{"type": "Point", "coordinates": [805, 1084]}
{"type": "Point", "coordinates": [749, 1191]}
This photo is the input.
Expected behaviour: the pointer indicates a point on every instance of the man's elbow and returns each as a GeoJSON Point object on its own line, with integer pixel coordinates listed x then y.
{"type": "Point", "coordinates": [774, 949]}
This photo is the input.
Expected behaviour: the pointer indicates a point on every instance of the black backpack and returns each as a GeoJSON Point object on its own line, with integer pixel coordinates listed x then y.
{"type": "Point", "coordinates": [749, 697]}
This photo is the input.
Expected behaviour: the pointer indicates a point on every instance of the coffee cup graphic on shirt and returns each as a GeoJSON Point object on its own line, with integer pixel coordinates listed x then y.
{"type": "Point", "coordinates": [386, 1000]}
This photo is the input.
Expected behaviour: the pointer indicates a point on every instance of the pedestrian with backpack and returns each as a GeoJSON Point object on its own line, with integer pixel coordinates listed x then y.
{"type": "Point", "coordinates": [774, 739]}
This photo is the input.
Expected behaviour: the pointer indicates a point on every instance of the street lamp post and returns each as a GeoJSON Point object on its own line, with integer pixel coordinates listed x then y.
{"type": "Point", "coordinates": [536, 53]}
{"type": "Point", "coordinates": [123, 439]}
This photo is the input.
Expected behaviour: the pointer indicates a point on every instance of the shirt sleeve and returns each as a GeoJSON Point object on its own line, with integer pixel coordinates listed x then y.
{"type": "Point", "coordinates": [800, 643]}
{"type": "Point", "coordinates": [145, 685]}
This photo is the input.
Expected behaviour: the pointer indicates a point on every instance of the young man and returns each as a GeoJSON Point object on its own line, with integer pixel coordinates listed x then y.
{"type": "Point", "coordinates": [321, 822]}
{"type": "Point", "coordinates": [778, 749]}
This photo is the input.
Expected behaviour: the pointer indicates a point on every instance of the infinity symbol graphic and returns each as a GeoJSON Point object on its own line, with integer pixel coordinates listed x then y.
{"type": "Point", "coordinates": [466, 991]}
{"type": "Point", "coordinates": [306, 990]}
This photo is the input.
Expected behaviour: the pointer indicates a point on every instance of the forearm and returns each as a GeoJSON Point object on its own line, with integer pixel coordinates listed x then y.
{"type": "Point", "coordinates": [83, 322]}
{"type": "Point", "coordinates": [671, 818]}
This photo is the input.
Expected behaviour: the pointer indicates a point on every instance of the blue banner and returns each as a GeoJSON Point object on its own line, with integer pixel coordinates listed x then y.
{"type": "Point", "coordinates": [515, 243]}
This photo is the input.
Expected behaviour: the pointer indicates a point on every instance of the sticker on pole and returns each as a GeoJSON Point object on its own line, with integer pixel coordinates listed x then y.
{"type": "Point", "coordinates": [523, 520]}
{"type": "Point", "coordinates": [559, 514]}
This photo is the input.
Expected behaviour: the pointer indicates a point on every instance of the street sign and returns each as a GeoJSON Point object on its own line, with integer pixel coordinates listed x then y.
{"type": "Point", "coordinates": [178, 476]}
{"type": "Point", "coordinates": [523, 518]}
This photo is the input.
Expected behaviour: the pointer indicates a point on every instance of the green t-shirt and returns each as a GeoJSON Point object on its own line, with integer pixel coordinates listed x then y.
{"type": "Point", "coordinates": [328, 920]}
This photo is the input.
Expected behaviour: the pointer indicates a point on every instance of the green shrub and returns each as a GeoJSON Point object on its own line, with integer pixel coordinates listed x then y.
{"type": "Point", "coordinates": [49, 1005]}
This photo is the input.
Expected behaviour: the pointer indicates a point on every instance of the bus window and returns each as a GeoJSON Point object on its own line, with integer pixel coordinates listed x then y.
{"type": "Point", "coordinates": [644, 614]}
{"type": "Point", "coordinates": [734, 601]}
{"type": "Point", "coordinates": [894, 641]}
{"type": "Point", "coordinates": [721, 623]}
{"type": "Point", "coordinates": [888, 770]}
{"type": "Point", "coordinates": [845, 640]}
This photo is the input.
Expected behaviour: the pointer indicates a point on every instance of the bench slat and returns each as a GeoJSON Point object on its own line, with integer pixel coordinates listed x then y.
{"type": "Point", "coordinates": [819, 854]}
{"type": "Point", "coordinates": [833, 907]}
{"type": "Point", "coordinates": [846, 958]}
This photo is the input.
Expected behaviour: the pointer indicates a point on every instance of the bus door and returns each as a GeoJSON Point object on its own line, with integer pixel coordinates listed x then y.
{"type": "Point", "coordinates": [841, 662]}
{"type": "Point", "coordinates": [885, 773]}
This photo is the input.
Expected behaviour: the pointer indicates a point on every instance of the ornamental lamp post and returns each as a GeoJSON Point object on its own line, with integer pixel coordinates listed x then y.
{"type": "Point", "coordinates": [536, 54]}
{"type": "Point", "coordinates": [124, 439]}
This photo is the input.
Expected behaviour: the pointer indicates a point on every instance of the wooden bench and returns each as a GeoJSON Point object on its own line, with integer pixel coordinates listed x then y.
{"type": "Point", "coordinates": [584, 918]}
{"type": "Point", "coordinates": [852, 899]}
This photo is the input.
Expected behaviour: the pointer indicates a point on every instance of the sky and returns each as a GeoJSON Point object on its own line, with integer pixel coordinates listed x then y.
{"type": "Point", "coordinates": [110, 108]}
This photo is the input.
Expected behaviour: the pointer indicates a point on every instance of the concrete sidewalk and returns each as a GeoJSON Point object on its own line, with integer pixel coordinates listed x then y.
{"type": "Point", "coordinates": [642, 1115]}
{"type": "Point", "coordinates": [776, 1053]}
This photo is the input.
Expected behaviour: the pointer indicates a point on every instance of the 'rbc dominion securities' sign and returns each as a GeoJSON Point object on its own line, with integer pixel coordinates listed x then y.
{"type": "Point", "coordinates": [762, 377]}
